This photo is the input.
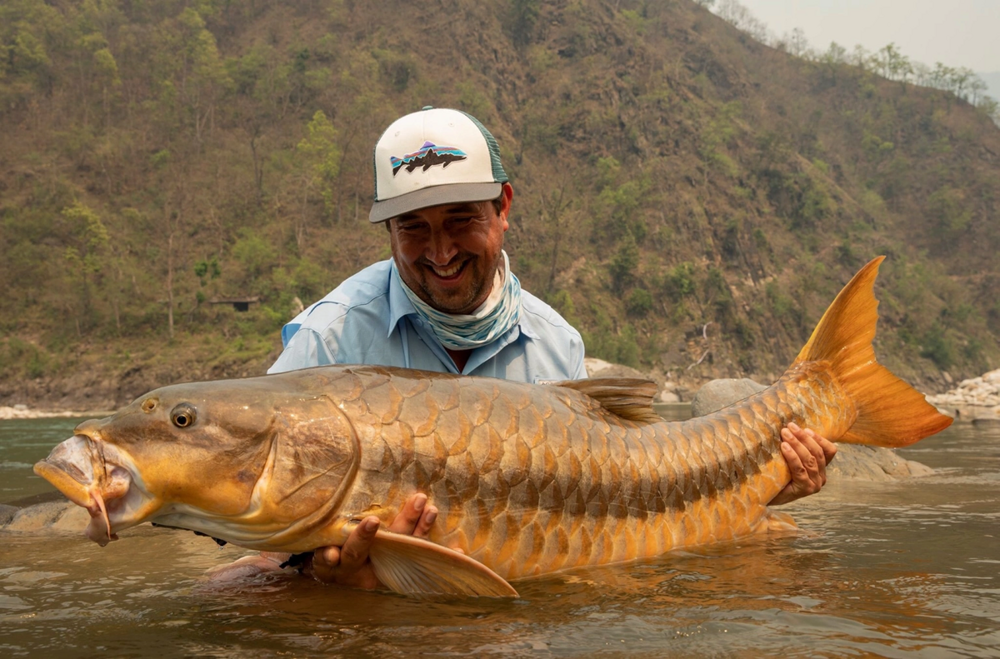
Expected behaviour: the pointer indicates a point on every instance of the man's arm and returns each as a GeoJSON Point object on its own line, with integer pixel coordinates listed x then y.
{"type": "Point", "coordinates": [304, 349]}
{"type": "Point", "coordinates": [579, 369]}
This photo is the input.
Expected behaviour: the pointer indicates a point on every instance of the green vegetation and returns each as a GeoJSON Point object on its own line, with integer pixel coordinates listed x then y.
{"type": "Point", "coordinates": [160, 157]}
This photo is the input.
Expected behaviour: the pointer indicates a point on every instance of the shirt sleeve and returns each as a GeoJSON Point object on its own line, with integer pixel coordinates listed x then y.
{"type": "Point", "coordinates": [577, 350]}
{"type": "Point", "coordinates": [305, 348]}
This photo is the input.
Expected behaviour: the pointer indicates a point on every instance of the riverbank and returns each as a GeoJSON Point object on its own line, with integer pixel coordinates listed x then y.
{"type": "Point", "coordinates": [976, 399]}
{"type": "Point", "coordinates": [24, 412]}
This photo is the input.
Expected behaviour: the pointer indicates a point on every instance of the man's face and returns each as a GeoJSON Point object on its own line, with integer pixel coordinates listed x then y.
{"type": "Point", "coordinates": [449, 254]}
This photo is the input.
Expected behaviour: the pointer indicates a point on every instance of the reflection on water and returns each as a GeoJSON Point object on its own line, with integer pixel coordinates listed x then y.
{"type": "Point", "coordinates": [890, 569]}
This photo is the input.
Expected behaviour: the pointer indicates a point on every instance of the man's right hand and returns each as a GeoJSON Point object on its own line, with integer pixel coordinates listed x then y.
{"type": "Point", "coordinates": [349, 565]}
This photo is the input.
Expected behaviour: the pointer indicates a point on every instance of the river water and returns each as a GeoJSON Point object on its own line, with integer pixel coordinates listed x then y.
{"type": "Point", "coordinates": [900, 569]}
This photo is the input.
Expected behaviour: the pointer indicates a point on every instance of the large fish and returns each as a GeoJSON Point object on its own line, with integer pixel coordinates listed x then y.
{"type": "Point", "coordinates": [529, 479]}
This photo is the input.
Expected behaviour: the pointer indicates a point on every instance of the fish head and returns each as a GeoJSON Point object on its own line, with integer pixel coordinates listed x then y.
{"type": "Point", "coordinates": [242, 460]}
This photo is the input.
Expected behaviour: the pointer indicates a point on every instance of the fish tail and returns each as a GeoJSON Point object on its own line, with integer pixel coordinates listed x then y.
{"type": "Point", "coordinates": [891, 413]}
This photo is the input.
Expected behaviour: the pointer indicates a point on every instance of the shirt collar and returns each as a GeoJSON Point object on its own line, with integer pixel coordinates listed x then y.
{"type": "Point", "coordinates": [400, 307]}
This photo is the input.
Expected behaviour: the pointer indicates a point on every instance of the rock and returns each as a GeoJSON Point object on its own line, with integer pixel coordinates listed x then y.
{"type": "Point", "coordinates": [58, 516]}
{"type": "Point", "coordinates": [598, 368]}
{"type": "Point", "coordinates": [7, 513]}
{"type": "Point", "coordinates": [853, 462]}
{"type": "Point", "coordinates": [669, 397]}
{"type": "Point", "coordinates": [715, 395]}
{"type": "Point", "coordinates": [873, 463]}
{"type": "Point", "coordinates": [973, 399]}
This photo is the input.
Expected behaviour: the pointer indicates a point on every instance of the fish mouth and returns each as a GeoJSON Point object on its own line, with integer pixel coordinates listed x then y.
{"type": "Point", "coordinates": [98, 477]}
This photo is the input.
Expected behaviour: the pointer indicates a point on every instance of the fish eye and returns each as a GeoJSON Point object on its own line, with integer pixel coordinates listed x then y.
{"type": "Point", "coordinates": [183, 415]}
{"type": "Point", "coordinates": [148, 405]}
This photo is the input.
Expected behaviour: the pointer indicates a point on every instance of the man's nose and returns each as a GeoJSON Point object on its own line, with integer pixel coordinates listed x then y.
{"type": "Point", "coordinates": [441, 247]}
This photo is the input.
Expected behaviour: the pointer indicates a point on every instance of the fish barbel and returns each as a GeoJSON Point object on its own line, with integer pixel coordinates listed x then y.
{"type": "Point", "coordinates": [528, 479]}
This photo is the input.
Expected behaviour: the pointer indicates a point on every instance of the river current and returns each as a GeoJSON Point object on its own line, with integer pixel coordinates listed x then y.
{"type": "Point", "coordinates": [899, 569]}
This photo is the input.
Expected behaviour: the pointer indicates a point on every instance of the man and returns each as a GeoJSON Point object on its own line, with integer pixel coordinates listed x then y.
{"type": "Point", "coordinates": [448, 302]}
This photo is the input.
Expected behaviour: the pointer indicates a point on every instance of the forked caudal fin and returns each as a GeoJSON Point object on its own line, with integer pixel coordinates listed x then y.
{"type": "Point", "coordinates": [890, 412]}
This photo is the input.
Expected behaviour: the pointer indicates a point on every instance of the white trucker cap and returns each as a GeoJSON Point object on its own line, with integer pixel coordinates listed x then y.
{"type": "Point", "coordinates": [434, 156]}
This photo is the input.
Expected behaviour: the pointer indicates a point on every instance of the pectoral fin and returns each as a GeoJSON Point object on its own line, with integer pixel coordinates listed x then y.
{"type": "Point", "coordinates": [414, 566]}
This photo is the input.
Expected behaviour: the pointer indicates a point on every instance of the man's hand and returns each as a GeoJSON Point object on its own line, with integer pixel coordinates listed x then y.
{"type": "Point", "coordinates": [807, 455]}
{"type": "Point", "coordinates": [349, 565]}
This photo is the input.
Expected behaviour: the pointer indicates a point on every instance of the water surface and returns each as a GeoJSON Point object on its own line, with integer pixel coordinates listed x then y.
{"type": "Point", "coordinates": [902, 569]}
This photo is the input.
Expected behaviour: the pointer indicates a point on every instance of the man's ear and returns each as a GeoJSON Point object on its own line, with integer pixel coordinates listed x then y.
{"type": "Point", "coordinates": [506, 197]}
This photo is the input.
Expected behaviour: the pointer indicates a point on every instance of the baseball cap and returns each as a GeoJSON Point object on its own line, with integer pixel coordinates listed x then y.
{"type": "Point", "coordinates": [434, 156]}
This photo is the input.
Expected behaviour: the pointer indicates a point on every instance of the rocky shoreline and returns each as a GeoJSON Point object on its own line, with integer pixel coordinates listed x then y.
{"type": "Point", "coordinates": [976, 399]}
{"type": "Point", "coordinates": [24, 412]}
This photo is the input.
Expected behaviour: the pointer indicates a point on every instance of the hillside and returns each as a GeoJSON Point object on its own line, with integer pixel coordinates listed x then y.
{"type": "Point", "coordinates": [689, 198]}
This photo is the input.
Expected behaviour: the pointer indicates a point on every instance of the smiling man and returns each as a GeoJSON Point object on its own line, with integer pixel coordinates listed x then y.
{"type": "Point", "coordinates": [447, 301]}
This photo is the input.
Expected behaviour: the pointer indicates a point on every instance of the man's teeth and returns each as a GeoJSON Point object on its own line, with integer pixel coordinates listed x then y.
{"type": "Point", "coordinates": [448, 272]}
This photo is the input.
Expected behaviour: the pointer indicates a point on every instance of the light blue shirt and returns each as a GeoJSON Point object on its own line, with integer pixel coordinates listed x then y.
{"type": "Point", "coordinates": [369, 320]}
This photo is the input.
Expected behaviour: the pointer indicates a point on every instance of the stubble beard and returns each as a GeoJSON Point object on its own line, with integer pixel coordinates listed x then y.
{"type": "Point", "coordinates": [468, 302]}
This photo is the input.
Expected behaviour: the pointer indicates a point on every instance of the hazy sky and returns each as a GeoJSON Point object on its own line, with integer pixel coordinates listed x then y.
{"type": "Point", "coordinates": [953, 32]}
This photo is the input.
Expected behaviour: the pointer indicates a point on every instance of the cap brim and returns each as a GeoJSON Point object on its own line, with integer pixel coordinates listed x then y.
{"type": "Point", "coordinates": [452, 193]}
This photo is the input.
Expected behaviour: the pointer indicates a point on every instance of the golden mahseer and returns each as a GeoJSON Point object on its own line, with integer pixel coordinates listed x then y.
{"type": "Point", "coordinates": [528, 479]}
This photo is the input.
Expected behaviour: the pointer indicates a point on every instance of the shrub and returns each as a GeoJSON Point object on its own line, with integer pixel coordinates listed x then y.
{"type": "Point", "coordinates": [937, 347]}
{"type": "Point", "coordinates": [639, 303]}
{"type": "Point", "coordinates": [624, 263]}
{"type": "Point", "coordinates": [680, 281]}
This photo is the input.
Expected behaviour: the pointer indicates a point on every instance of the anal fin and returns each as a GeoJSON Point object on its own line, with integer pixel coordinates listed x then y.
{"type": "Point", "coordinates": [414, 566]}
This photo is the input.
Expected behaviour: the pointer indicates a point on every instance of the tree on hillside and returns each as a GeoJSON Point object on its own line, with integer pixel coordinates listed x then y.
{"type": "Point", "coordinates": [892, 64]}
{"type": "Point", "coordinates": [524, 16]}
{"type": "Point", "coordinates": [741, 18]}
{"type": "Point", "coordinates": [319, 165]}
{"type": "Point", "coordinates": [198, 75]}
{"type": "Point", "coordinates": [85, 261]}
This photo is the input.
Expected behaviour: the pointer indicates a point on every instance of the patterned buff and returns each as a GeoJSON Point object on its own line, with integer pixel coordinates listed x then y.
{"type": "Point", "coordinates": [499, 313]}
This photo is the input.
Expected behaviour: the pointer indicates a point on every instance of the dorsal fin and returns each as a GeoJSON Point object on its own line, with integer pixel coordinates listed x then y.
{"type": "Point", "coordinates": [629, 398]}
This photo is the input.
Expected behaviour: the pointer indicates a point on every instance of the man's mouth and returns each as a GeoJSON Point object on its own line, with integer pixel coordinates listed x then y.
{"type": "Point", "coordinates": [450, 272]}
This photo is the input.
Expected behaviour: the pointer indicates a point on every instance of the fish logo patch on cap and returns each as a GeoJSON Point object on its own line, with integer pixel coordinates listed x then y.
{"type": "Point", "coordinates": [426, 157]}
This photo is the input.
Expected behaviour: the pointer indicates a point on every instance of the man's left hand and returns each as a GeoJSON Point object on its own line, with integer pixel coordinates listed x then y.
{"type": "Point", "coordinates": [807, 455]}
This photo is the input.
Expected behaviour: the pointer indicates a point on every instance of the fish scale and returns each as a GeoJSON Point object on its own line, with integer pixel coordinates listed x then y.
{"type": "Point", "coordinates": [636, 481]}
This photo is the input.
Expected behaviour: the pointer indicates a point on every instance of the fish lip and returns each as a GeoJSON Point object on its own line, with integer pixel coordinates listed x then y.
{"type": "Point", "coordinates": [99, 477]}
